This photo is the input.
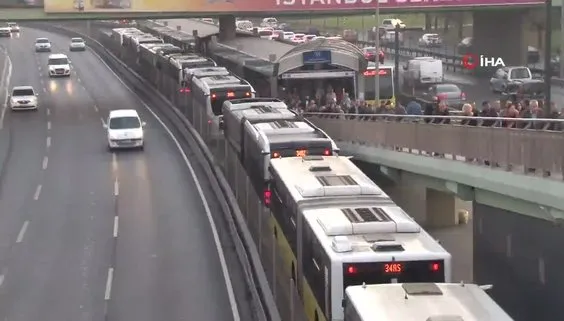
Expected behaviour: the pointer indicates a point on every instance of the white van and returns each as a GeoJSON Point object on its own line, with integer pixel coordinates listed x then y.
{"type": "Point", "coordinates": [125, 129]}
{"type": "Point", "coordinates": [59, 65]}
{"type": "Point", "coordinates": [423, 71]}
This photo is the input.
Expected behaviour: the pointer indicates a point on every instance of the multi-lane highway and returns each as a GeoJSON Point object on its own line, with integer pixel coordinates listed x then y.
{"type": "Point", "coordinates": [87, 234]}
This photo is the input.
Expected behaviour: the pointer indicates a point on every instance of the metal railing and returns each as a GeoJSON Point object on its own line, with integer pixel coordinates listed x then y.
{"type": "Point", "coordinates": [524, 150]}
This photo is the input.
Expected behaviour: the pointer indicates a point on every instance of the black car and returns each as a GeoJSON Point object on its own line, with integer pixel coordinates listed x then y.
{"type": "Point", "coordinates": [524, 89]}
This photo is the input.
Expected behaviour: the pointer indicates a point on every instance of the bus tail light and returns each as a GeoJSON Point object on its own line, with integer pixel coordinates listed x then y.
{"type": "Point", "coordinates": [247, 94]}
{"type": "Point", "coordinates": [267, 197]}
{"type": "Point", "coordinates": [435, 267]}
{"type": "Point", "coordinates": [327, 152]}
{"type": "Point", "coordinates": [351, 269]}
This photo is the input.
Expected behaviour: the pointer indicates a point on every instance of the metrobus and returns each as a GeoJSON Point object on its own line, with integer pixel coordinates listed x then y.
{"type": "Point", "coordinates": [209, 93]}
{"type": "Point", "coordinates": [335, 228]}
{"type": "Point", "coordinates": [421, 301]}
{"type": "Point", "coordinates": [260, 129]}
{"type": "Point", "coordinates": [386, 80]}
{"type": "Point", "coordinates": [177, 64]}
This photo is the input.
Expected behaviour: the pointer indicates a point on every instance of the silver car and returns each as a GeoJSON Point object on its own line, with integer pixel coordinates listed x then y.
{"type": "Point", "coordinates": [507, 75]}
{"type": "Point", "coordinates": [77, 44]}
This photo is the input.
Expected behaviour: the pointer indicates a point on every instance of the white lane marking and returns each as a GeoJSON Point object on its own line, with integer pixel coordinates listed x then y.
{"type": "Point", "coordinates": [103, 122]}
{"type": "Point", "coordinates": [37, 192]}
{"type": "Point", "coordinates": [22, 232]}
{"type": "Point", "coordinates": [48, 141]}
{"type": "Point", "coordinates": [114, 162]}
{"type": "Point", "coordinates": [5, 81]}
{"type": "Point", "coordinates": [78, 79]}
{"type": "Point", "coordinates": [116, 187]}
{"type": "Point", "coordinates": [1, 279]}
{"type": "Point", "coordinates": [38, 67]}
{"type": "Point", "coordinates": [227, 279]}
{"type": "Point", "coordinates": [48, 125]}
{"type": "Point", "coordinates": [45, 162]}
{"type": "Point", "coordinates": [109, 281]}
{"type": "Point", "coordinates": [116, 226]}
{"type": "Point", "coordinates": [96, 108]}
{"type": "Point", "coordinates": [48, 111]}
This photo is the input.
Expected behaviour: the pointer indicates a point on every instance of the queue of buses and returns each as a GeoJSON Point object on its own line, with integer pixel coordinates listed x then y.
{"type": "Point", "coordinates": [353, 254]}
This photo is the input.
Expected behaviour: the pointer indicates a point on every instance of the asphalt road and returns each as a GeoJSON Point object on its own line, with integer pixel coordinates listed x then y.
{"type": "Point", "coordinates": [86, 234]}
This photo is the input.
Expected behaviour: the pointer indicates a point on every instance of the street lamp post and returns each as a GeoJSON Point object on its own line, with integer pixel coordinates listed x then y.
{"type": "Point", "coordinates": [376, 61]}
{"type": "Point", "coordinates": [547, 48]}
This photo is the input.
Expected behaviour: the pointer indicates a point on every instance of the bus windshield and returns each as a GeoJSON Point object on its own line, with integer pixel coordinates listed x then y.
{"type": "Point", "coordinates": [386, 84]}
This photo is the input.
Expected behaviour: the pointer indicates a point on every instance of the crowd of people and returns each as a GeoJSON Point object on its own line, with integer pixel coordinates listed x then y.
{"type": "Point", "coordinates": [339, 102]}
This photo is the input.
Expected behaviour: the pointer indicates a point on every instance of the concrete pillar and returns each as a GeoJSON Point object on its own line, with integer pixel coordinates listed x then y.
{"type": "Point", "coordinates": [441, 208]}
{"type": "Point", "coordinates": [227, 28]}
{"type": "Point", "coordinates": [501, 33]}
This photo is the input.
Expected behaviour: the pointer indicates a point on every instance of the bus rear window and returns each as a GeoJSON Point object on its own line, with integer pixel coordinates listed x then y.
{"type": "Point", "coordinates": [398, 272]}
{"type": "Point", "coordinates": [301, 149]}
{"type": "Point", "coordinates": [217, 98]}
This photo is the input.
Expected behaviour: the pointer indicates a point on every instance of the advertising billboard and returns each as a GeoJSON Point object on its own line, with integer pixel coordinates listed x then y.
{"type": "Point", "coordinates": [270, 6]}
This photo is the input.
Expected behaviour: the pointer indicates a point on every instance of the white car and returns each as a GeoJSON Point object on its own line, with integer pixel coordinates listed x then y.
{"type": "Point", "coordinates": [23, 98]}
{"type": "Point", "coordinates": [125, 129]}
{"type": "Point", "coordinates": [59, 65]}
{"type": "Point", "coordinates": [287, 35]}
{"type": "Point", "coordinates": [390, 24]}
{"type": "Point", "coordinates": [5, 32]}
{"type": "Point", "coordinates": [430, 40]}
{"type": "Point", "coordinates": [14, 27]}
{"type": "Point", "coordinates": [77, 44]}
{"type": "Point", "coordinates": [269, 22]}
{"type": "Point", "coordinates": [42, 44]}
{"type": "Point", "coordinates": [298, 38]}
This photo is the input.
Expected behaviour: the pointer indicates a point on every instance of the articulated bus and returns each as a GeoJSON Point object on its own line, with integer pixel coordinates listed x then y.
{"type": "Point", "coordinates": [335, 228]}
{"type": "Point", "coordinates": [421, 301]}
{"type": "Point", "coordinates": [387, 89]}
{"type": "Point", "coordinates": [209, 93]}
{"type": "Point", "coordinates": [260, 129]}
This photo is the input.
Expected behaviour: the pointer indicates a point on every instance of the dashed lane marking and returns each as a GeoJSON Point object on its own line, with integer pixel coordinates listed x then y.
{"type": "Point", "coordinates": [37, 192]}
{"type": "Point", "coordinates": [22, 232]}
{"type": "Point", "coordinates": [45, 162]}
{"type": "Point", "coordinates": [48, 141]}
{"type": "Point", "coordinates": [116, 188]}
{"type": "Point", "coordinates": [116, 226]}
{"type": "Point", "coordinates": [109, 281]}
